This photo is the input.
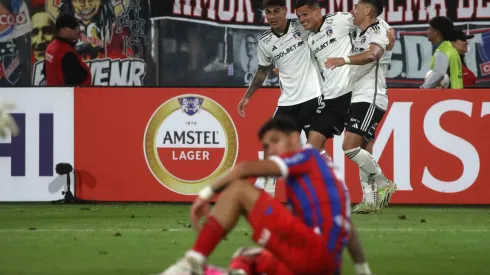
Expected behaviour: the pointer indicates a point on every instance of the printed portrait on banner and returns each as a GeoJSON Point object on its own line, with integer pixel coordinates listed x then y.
{"type": "Point", "coordinates": [15, 26]}
{"type": "Point", "coordinates": [113, 38]}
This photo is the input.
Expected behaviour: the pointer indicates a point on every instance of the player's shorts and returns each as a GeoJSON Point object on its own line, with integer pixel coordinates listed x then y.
{"type": "Point", "coordinates": [331, 120]}
{"type": "Point", "coordinates": [302, 114]}
{"type": "Point", "coordinates": [290, 241]}
{"type": "Point", "coordinates": [364, 117]}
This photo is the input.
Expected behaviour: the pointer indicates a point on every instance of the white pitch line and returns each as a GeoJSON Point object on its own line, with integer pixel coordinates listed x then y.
{"type": "Point", "coordinates": [419, 230]}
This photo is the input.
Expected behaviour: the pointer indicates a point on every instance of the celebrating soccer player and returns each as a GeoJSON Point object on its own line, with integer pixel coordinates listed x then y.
{"type": "Point", "coordinates": [308, 241]}
{"type": "Point", "coordinates": [369, 101]}
{"type": "Point", "coordinates": [285, 46]}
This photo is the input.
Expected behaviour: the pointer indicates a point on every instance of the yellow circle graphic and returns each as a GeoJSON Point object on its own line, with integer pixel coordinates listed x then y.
{"type": "Point", "coordinates": [181, 186]}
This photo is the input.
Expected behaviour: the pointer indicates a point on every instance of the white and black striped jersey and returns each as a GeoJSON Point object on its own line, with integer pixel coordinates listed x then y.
{"type": "Point", "coordinates": [333, 39]}
{"type": "Point", "coordinates": [298, 74]}
{"type": "Point", "coordinates": [369, 81]}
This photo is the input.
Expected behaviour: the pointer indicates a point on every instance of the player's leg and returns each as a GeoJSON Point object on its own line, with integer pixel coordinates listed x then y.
{"type": "Point", "coordinates": [364, 118]}
{"type": "Point", "coordinates": [268, 184]}
{"type": "Point", "coordinates": [249, 261]}
{"type": "Point", "coordinates": [238, 198]}
{"type": "Point", "coordinates": [329, 121]}
{"type": "Point", "coordinates": [385, 191]}
{"type": "Point", "coordinates": [277, 230]}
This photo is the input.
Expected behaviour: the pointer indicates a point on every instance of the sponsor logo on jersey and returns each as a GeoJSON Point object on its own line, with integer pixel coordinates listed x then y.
{"type": "Point", "coordinates": [189, 141]}
{"type": "Point", "coordinates": [325, 45]}
{"type": "Point", "coordinates": [288, 50]}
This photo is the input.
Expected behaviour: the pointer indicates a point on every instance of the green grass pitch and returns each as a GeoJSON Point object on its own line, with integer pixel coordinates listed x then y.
{"type": "Point", "coordinates": [146, 238]}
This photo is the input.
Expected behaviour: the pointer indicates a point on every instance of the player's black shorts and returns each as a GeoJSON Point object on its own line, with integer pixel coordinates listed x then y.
{"type": "Point", "coordinates": [364, 117]}
{"type": "Point", "coordinates": [331, 120]}
{"type": "Point", "coordinates": [302, 114]}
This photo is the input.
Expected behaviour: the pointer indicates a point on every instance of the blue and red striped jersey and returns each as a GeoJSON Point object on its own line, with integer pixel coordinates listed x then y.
{"type": "Point", "coordinates": [317, 194]}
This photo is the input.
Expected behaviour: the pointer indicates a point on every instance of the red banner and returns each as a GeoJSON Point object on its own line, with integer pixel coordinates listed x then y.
{"type": "Point", "coordinates": [165, 144]}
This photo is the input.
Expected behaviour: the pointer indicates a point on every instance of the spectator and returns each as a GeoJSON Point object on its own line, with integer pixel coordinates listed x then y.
{"type": "Point", "coordinates": [461, 45]}
{"type": "Point", "coordinates": [445, 59]}
{"type": "Point", "coordinates": [63, 66]}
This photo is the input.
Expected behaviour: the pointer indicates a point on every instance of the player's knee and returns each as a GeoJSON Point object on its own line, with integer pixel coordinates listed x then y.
{"type": "Point", "coordinates": [235, 188]}
{"type": "Point", "coordinates": [351, 141]}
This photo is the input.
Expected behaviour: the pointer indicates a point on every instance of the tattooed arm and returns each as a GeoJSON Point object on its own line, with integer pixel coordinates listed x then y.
{"type": "Point", "coordinates": [265, 61]}
{"type": "Point", "coordinates": [257, 81]}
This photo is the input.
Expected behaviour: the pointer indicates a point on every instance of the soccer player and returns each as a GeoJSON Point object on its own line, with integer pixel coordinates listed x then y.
{"type": "Point", "coordinates": [7, 122]}
{"type": "Point", "coordinates": [330, 36]}
{"type": "Point", "coordinates": [369, 101]}
{"type": "Point", "coordinates": [308, 241]}
{"type": "Point", "coordinates": [284, 45]}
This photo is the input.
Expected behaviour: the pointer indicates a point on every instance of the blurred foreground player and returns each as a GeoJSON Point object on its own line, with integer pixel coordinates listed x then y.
{"type": "Point", "coordinates": [369, 101]}
{"type": "Point", "coordinates": [7, 122]}
{"type": "Point", "coordinates": [308, 241]}
{"type": "Point", "coordinates": [63, 66]}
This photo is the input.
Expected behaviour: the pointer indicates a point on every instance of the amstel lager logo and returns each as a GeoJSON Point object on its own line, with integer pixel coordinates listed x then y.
{"type": "Point", "coordinates": [190, 141]}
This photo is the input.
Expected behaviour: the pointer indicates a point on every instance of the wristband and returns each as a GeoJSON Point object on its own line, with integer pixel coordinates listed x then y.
{"type": "Point", "coordinates": [347, 60]}
{"type": "Point", "coordinates": [206, 193]}
{"type": "Point", "coordinates": [363, 269]}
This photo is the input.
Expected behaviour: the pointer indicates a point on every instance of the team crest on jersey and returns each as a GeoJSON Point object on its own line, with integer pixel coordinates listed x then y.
{"type": "Point", "coordinates": [297, 35]}
{"type": "Point", "coordinates": [329, 31]}
{"type": "Point", "coordinates": [329, 21]}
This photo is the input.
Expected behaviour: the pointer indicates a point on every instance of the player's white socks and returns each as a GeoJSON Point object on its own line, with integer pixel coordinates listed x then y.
{"type": "Point", "coordinates": [367, 163]}
{"type": "Point", "coordinates": [368, 190]}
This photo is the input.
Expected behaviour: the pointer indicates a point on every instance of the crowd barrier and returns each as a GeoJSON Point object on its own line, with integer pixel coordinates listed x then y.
{"type": "Point", "coordinates": [165, 144]}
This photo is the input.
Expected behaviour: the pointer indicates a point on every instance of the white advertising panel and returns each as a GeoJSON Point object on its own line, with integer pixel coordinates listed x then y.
{"type": "Point", "coordinates": [27, 162]}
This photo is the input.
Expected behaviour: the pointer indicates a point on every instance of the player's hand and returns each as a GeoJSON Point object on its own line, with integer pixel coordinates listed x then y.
{"type": "Point", "coordinates": [7, 122]}
{"type": "Point", "coordinates": [392, 38]}
{"type": "Point", "coordinates": [242, 105]}
{"type": "Point", "coordinates": [334, 62]}
{"type": "Point", "coordinates": [199, 209]}
{"type": "Point", "coordinates": [276, 71]}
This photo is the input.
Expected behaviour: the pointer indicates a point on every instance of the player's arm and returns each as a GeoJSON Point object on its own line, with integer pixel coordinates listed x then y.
{"type": "Point", "coordinates": [265, 62]}
{"type": "Point", "coordinates": [441, 64]}
{"type": "Point", "coordinates": [357, 253]}
{"type": "Point", "coordinates": [391, 34]}
{"type": "Point", "coordinates": [260, 76]}
{"type": "Point", "coordinates": [377, 46]}
{"type": "Point", "coordinates": [258, 80]}
{"type": "Point", "coordinates": [275, 166]}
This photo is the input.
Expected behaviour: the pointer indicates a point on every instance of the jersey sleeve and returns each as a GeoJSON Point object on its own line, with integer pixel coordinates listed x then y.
{"type": "Point", "coordinates": [293, 164]}
{"type": "Point", "coordinates": [346, 19]}
{"type": "Point", "coordinates": [379, 37]}
{"type": "Point", "coordinates": [264, 59]}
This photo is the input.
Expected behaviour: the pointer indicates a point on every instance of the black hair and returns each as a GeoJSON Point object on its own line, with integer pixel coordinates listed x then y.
{"type": "Point", "coordinates": [377, 4]}
{"type": "Point", "coordinates": [309, 3]}
{"type": "Point", "coordinates": [273, 3]}
{"type": "Point", "coordinates": [279, 123]}
{"type": "Point", "coordinates": [445, 25]}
